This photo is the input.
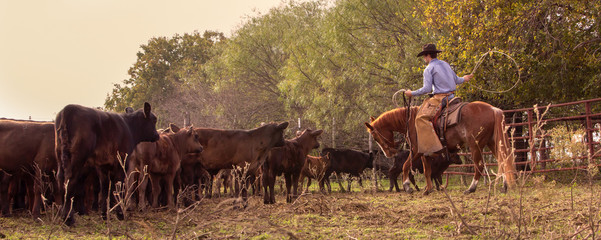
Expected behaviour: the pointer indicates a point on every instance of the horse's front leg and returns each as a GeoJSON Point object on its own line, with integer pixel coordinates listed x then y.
{"type": "Point", "coordinates": [478, 168]}
{"type": "Point", "coordinates": [406, 169]}
{"type": "Point", "coordinates": [427, 175]}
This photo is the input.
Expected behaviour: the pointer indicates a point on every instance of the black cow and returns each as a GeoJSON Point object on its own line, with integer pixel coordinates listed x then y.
{"type": "Point", "coordinates": [439, 164]}
{"type": "Point", "coordinates": [347, 161]}
{"type": "Point", "coordinates": [87, 135]}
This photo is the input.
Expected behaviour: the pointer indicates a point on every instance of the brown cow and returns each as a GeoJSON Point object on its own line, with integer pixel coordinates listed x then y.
{"type": "Point", "coordinates": [224, 149]}
{"type": "Point", "coordinates": [25, 148]}
{"type": "Point", "coordinates": [315, 167]}
{"type": "Point", "coordinates": [89, 135]}
{"type": "Point", "coordinates": [438, 164]}
{"type": "Point", "coordinates": [288, 160]}
{"type": "Point", "coordinates": [162, 159]}
{"type": "Point", "coordinates": [226, 179]}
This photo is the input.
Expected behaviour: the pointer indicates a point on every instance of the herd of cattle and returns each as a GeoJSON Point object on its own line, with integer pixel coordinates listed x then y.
{"type": "Point", "coordinates": [77, 159]}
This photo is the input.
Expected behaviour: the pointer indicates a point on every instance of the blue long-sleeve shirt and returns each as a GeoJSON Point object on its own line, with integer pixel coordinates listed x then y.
{"type": "Point", "coordinates": [438, 78]}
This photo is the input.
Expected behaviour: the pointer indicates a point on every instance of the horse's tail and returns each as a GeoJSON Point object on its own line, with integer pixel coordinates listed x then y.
{"type": "Point", "coordinates": [504, 152]}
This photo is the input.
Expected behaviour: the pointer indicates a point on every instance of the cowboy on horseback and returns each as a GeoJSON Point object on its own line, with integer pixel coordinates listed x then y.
{"type": "Point", "coordinates": [441, 80]}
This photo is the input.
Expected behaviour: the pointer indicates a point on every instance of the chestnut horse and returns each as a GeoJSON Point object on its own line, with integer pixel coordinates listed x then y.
{"type": "Point", "coordinates": [481, 125]}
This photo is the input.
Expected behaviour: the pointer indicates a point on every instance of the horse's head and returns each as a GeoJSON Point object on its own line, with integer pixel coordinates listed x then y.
{"type": "Point", "coordinates": [384, 138]}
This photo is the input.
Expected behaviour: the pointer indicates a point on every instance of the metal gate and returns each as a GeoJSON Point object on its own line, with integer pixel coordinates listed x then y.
{"type": "Point", "coordinates": [532, 147]}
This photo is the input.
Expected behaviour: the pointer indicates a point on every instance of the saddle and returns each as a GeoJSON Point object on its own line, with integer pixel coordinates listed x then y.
{"type": "Point", "coordinates": [447, 115]}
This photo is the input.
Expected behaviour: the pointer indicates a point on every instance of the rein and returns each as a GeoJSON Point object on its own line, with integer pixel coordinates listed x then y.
{"type": "Point", "coordinates": [407, 105]}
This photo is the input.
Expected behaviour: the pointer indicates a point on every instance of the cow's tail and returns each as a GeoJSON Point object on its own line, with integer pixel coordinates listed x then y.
{"type": "Point", "coordinates": [504, 152]}
{"type": "Point", "coordinates": [62, 145]}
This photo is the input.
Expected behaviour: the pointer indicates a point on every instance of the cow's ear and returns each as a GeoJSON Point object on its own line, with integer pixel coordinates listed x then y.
{"type": "Point", "coordinates": [129, 110]}
{"type": "Point", "coordinates": [174, 128]}
{"type": "Point", "coordinates": [372, 118]}
{"type": "Point", "coordinates": [146, 109]}
{"type": "Point", "coordinates": [283, 125]}
{"type": "Point", "coordinates": [369, 126]}
{"type": "Point", "coordinates": [317, 133]}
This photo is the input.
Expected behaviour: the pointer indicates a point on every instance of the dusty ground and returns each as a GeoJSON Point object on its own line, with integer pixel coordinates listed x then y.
{"type": "Point", "coordinates": [546, 212]}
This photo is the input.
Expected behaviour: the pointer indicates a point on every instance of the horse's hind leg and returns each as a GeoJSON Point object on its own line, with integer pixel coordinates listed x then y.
{"type": "Point", "coordinates": [427, 175]}
{"type": "Point", "coordinates": [478, 168]}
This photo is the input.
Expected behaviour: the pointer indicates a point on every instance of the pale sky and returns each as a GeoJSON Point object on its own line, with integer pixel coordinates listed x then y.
{"type": "Point", "coordinates": [54, 53]}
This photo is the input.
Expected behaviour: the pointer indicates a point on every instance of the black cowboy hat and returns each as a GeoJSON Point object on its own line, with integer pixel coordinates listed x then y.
{"type": "Point", "coordinates": [428, 48]}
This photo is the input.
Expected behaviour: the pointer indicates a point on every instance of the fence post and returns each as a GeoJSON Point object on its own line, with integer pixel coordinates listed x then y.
{"type": "Point", "coordinates": [531, 141]}
{"type": "Point", "coordinates": [589, 129]}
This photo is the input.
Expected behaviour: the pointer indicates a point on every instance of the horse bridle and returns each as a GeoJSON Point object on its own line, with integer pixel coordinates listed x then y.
{"type": "Point", "coordinates": [385, 139]}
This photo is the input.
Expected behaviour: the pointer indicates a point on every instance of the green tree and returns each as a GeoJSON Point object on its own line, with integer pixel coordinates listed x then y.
{"type": "Point", "coordinates": [168, 73]}
{"type": "Point", "coordinates": [556, 44]}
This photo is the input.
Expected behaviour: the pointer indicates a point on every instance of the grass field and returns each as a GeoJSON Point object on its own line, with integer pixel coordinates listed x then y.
{"type": "Point", "coordinates": [544, 210]}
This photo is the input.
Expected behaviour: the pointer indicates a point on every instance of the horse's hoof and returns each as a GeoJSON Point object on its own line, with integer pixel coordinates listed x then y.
{"type": "Point", "coordinates": [407, 188]}
{"type": "Point", "coordinates": [120, 216]}
{"type": "Point", "coordinates": [427, 192]}
{"type": "Point", "coordinates": [468, 191]}
{"type": "Point", "coordinates": [504, 189]}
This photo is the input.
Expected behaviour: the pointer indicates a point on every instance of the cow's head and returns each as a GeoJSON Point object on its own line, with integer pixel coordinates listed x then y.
{"type": "Point", "coordinates": [275, 134]}
{"type": "Point", "coordinates": [384, 138]}
{"type": "Point", "coordinates": [192, 142]}
{"type": "Point", "coordinates": [308, 138]}
{"type": "Point", "coordinates": [142, 124]}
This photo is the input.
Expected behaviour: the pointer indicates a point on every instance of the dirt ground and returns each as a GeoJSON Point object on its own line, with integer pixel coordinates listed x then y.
{"type": "Point", "coordinates": [542, 209]}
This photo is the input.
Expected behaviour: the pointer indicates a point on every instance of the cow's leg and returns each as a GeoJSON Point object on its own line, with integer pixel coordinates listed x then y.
{"type": "Point", "coordinates": [288, 187]}
{"type": "Point", "coordinates": [92, 178]}
{"type": "Point", "coordinates": [295, 177]}
{"type": "Point", "coordinates": [34, 193]}
{"type": "Point", "coordinates": [209, 184]}
{"type": "Point", "coordinates": [322, 182]}
{"type": "Point", "coordinates": [438, 181]}
{"type": "Point", "coordinates": [266, 185]}
{"type": "Point", "coordinates": [156, 190]}
{"type": "Point", "coordinates": [349, 182]}
{"type": "Point", "coordinates": [427, 175]}
{"type": "Point", "coordinates": [478, 168]}
{"type": "Point", "coordinates": [74, 187]}
{"type": "Point", "coordinates": [393, 174]}
{"type": "Point", "coordinates": [19, 192]}
{"type": "Point", "coordinates": [131, 183]}
{"type": "Point", "coordinates": [4, 193]}
{"type": "Point", "coordinates": [271, 189]}
{"type": "Point", "coordinates": [406, 170]}
{"type": "Point", "coordinates": [104, 188]}
{"type": "Point", "coordinates": [309, 184]}
{"type": "Point", "coordinates": [339, 183]}
{"type": "Point", "coordinates": [169, 190]}
{"type": "Point", "coordinates": [142, 186]}
{"type": "Point", "coordinates": [119, 176]}
{"type": "Point", "coordinates": [176, 187]}
{"type": "Point", "coordinates": [412, 179]}
{"type": "Point", "coordinates": [327, 180]}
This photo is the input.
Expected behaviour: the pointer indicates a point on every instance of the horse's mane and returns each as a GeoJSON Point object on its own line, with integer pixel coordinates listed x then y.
{"type": "Point", "coordinates": [395, 118]}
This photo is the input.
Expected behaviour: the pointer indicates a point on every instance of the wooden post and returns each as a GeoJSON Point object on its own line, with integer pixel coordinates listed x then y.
{"type": "Point", "coordinates": [373, 164]}
{"type": "Point", "coordinates": [333, 132]}
{"type": "Point", "coordinates": [186, 119]}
